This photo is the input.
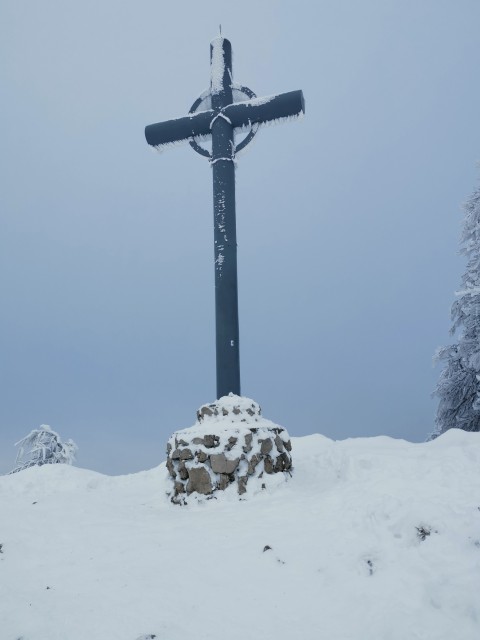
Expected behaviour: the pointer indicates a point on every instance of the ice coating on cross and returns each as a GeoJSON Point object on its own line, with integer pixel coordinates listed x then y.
{"type": "Point", "coordinates": [215, 114]}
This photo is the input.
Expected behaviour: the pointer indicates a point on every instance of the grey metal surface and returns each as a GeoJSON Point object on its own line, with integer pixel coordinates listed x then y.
{"type": "Point", "coordinates": [220, 120]}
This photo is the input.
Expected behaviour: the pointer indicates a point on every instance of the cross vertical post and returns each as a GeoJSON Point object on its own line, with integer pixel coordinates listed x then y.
{"type": "Point", "coordinates": [225, 234]}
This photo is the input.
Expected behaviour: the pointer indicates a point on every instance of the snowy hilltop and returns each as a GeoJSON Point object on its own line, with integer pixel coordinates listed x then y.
{"type": "Point", "coordinates": [370, 539]}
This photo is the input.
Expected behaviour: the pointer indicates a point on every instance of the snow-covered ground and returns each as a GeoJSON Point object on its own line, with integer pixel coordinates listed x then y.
{"type": "Point", "coordinates": [370, 539]}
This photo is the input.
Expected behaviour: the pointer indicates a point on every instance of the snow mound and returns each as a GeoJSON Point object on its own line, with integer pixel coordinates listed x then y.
{"type": "Point", "coordinates": [371, 538]}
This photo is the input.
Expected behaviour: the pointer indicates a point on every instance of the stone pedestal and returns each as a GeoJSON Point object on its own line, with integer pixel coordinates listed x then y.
{"type": "Point", "coordinates": [231, 444]}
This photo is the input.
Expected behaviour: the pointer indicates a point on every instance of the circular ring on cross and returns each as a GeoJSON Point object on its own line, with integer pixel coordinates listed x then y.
{"type": "Point", "coordinates": [204, 101]}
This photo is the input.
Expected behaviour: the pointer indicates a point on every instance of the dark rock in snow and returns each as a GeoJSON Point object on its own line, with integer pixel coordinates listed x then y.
{"type": "Point", "coordinates": [223, 481]}
{"type": "Point", "coordinates": [211, 441]}
{"type": "Point", "coordinates": [279, 443]}
{"type": "Point", "coordinates": [232, 441]}
{"type": "Point", "coordinates": [283, 462]}
{"type": "Point", "coordinates": [179, 488]}
{"type": "Point", "coordinates": [267, 446]}
{"type": "Point", "coordinates": [201, 456]}
{"type": "Point", "coordinates": [199, 480]}
{"type": "Point", "coordinates": [268, 464]}
{"type": "Point", "coordinates": [182, 471]}
{"type": "Point", "coordinates": [221, 464]}
{"type": "Point", "coordinates": [171, 468]}
{"type": "Point", "coordinates": [252, 463]}
{"type": "Point", "coordinates": [242, 485]}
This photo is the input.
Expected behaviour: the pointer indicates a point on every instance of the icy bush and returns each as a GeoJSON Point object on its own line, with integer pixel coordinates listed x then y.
{"type": "Point", "coordinates": [43, 446]}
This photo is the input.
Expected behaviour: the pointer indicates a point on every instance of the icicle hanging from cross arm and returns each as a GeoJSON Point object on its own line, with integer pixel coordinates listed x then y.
{"type": "Point", "coordinates": [179, 130]}
{"type": "Point", "coordinates": [269, 123]}
{"type": "Point", "coordinates": [285, 106]}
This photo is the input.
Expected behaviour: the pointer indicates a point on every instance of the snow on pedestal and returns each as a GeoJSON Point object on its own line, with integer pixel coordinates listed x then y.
{"type": "Point", "coordinates": [230, 444]}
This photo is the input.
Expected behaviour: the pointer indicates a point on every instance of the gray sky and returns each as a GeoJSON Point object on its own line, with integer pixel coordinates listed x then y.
{"type": "Point", "coordinates": [348, 222]}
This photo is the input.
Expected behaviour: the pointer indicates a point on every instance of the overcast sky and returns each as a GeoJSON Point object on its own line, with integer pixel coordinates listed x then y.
{"type": "Point", "coordinates": [348, 221]}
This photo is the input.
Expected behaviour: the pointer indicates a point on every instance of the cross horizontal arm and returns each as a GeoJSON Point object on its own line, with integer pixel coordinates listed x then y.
{"type": "Point", "coordinates": [180, 129]}
{"type": "Point", "coordinates": [263, 110]}
{"type": "Point", "coordinates": [240, 115]}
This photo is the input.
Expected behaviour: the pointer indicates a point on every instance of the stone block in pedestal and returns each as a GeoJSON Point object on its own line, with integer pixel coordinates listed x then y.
{"type": "Point", "coordinates": [230, 445]}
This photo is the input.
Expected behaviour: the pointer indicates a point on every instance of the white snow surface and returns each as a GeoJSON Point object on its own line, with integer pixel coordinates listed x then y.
{"type": "Point", "coordinates": [257, 102]}
{"type": "Point", "coordinates": [88, 556]}
{"type": "Point", "coordinates": [217, 68]}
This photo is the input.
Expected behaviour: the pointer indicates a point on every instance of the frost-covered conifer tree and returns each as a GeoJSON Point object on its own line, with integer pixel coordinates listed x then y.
{"type": "Point", "coordinates": [43, 446]}
{"type": "Point", "coordinates": [459, 385]}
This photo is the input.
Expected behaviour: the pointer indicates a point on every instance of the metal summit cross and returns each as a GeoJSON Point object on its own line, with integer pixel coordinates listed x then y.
{"type": "Point", "coordinates": [221, 112]}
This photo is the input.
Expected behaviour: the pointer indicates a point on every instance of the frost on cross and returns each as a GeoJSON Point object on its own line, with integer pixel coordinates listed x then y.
{"type": "Point", "coordinates": [221, 112]}
{"type": "Point", "coordinates": [43, 446]}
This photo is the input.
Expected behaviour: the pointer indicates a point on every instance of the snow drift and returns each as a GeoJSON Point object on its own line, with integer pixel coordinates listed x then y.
{"type": "Point", "coordinates": [371, 538]}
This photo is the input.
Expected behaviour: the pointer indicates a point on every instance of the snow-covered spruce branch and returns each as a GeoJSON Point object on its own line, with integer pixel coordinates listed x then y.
{"type": "Point", "coordinates": [458, 388]}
